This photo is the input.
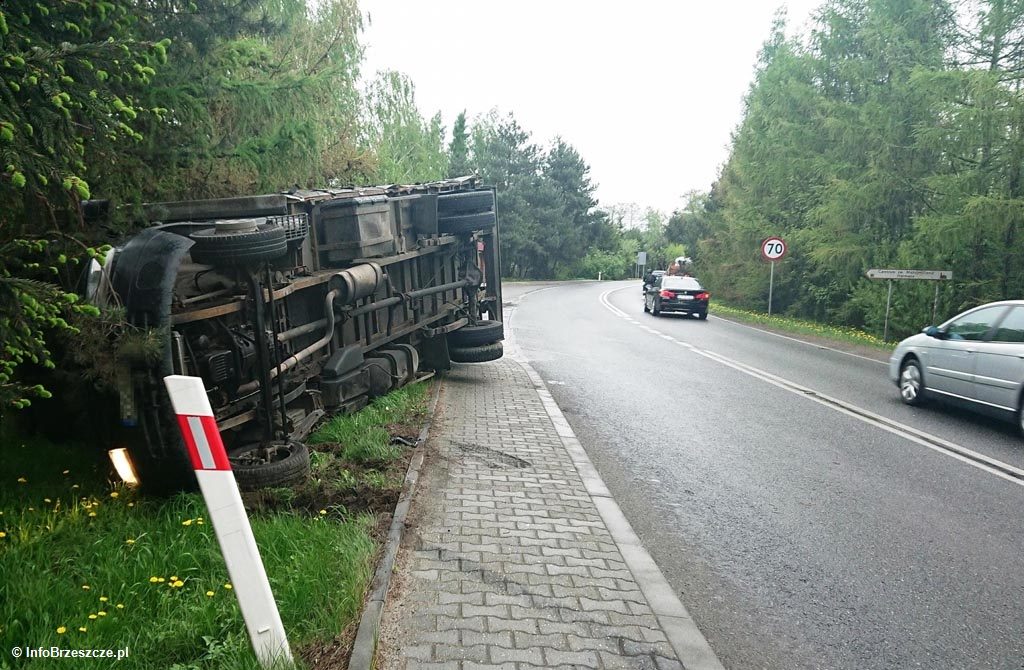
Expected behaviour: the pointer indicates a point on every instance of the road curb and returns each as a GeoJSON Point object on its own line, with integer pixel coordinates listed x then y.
{"type": "Point", "coordinates": [689, 643]}
{"type": "Point", "coordinates": [364, 647]}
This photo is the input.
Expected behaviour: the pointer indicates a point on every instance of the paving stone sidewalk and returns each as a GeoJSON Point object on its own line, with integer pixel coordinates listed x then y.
{"type": "Point", "coordinates": [506, 561]}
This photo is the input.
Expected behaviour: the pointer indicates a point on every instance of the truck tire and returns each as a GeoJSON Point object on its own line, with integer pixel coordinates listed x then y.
{"type": "Point", "coordinates": [267, 243]}
{"type": "Point", "coordinates": [471, 202]}
{"type": "Point", "coordinates": [466, 223]}
{"type": "Point", "coordinates": [484, 332]}
{"type": "Point", "coordinates": [266, 465]}
{"type": "Point", "coordinates": [481, 354]}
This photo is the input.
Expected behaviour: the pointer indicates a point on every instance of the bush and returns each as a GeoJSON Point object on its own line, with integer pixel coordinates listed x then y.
{"type": "Point", "coordinates": [608, 265]}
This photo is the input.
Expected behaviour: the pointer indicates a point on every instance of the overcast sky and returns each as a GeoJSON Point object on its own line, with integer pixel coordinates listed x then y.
{"type": "Point", "coordinates": [647, 91]}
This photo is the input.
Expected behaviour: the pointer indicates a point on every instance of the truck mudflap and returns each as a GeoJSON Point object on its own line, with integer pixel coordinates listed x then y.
{"type": "Point", "coordinates": [143, 277]}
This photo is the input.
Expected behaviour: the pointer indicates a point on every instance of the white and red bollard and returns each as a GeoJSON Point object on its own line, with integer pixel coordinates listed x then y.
{"type": "Point", "coordinates": [230, 523]}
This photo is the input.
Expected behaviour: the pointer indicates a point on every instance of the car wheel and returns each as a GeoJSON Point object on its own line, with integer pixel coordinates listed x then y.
{"type": "Point", "coordinates": [911, 382]}
{"type": "Point", "coordinates": [654, 309]}
{"type": "Point", "coordinates": [703, 316]}
{"type": "Point", "coordinates": [1020, 416]}
{"type": "Point", "coordinates": [646, 308]}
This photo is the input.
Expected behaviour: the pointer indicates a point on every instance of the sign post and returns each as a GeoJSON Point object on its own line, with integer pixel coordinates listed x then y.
{"type": "Point", "coordinates": [888, 303]}
{"type": "Point", "coordinates": [230, 523]}
{"type": "Point", "coordinates": [891, 275]}
{"type": "Point", "coordinates": [772, 249]}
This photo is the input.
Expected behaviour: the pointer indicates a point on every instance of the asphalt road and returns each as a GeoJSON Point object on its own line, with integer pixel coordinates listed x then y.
{"type": "Point", "coordinates": [798, 532]}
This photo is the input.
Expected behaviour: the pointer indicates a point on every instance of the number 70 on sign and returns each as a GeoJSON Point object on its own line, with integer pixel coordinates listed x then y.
{"type": "Point", "coordinates": [773, 248]}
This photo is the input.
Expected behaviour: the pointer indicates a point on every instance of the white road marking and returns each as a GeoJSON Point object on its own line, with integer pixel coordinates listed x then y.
{"type": "Point", "coordinates": [937, 444]}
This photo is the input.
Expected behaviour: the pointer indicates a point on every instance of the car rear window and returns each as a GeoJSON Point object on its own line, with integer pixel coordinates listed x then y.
{"type": "Point", "coordinates": [685, 283]}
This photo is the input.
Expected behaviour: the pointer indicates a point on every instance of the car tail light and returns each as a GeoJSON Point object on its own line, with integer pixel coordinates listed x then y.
{"type": "Point", "coordinates": [704, 296]}
{"type": "Point", "coordinates": [667, 294]}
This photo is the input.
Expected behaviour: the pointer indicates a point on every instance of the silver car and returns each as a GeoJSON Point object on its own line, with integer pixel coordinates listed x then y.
{"type": "Point", "coordinates": [976, 358]}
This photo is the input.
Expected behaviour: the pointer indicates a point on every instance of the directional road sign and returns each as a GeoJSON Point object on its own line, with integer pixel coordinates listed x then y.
{"type": "Point", "coordinates": [875, 273]}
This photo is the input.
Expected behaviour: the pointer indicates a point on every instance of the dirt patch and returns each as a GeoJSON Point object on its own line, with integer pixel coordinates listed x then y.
{"type": "Point", "coordinates": [339, 489]}
{"type": "Point", "coordinates": [332, 655]}
{"type": "Point", "coordinates": [406, 432]}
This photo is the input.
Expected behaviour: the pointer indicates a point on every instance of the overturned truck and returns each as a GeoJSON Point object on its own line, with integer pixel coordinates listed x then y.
{"type": "Point", "coordinates": [296, 305]}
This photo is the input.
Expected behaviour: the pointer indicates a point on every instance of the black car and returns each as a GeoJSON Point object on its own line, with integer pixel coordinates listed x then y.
{"type": "Point", "coordinates": [684, 295]}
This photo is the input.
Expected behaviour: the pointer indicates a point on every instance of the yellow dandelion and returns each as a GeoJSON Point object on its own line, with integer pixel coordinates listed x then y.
{"type": "Point", "coordinates": [199, 522]}
{"type": "Point", "coordinates": [323, 512]}
{"type": "Point", "coordinates": [120, 606]}
{"type": "Point", "coordinates": [101, 613]}
{"type": "Point", "coordinates": [92, 616]}
{"type": "Point", "coordinates": [209, 594]}
{"type": "Point", "coordinates": [61, 630]}
{"type": "Point", "coordinates": [228, 586]}
{"type": "Point", "coordinates": [85, 587]}
{"type": "Point", "coordinates": [161, 580]}
{"type": "Point", "coordinates": [47, 501]}
{"type": "Point", "coordinates": [114, 494]}
{"type": "Point", "coordinates": [104, 599]}
{"type": "Point", "coordinates": [154, 580]}
{"type": "Point", "coordinates": [82, 629]}
{"type": "Point", "coordinates": [22, 480]}
{"type": "Point", "coordinates": [129, 541]}
{"type": "Point", "coordinates": [74, 486]}
{"type": "Point", "coordinates": [178, 584]}
{"type": "Point", "coordinates": [92, 513]}
{"type": "Point", "coordinates": [174, 578]}
{"type": "Point", "coordinates": [131, 504]}
{"type": "Point", "coordinates": [186, 522]}
{"type": "Point", "coordinates": [31, 509]}
{"type": "Point", "coordinates": [2, 535]}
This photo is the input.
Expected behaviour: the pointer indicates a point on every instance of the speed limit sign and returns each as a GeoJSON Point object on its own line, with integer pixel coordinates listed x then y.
{"type": "Point", "coordinates": [773, 248]}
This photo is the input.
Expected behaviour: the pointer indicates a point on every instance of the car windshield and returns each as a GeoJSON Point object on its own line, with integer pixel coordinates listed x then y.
{"type": "Point", "coordinates": [683, 283]}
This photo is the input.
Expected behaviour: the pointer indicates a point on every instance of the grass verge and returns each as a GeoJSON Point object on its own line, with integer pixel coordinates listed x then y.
{"type": "Point", "coordinates": [86, 564]}
{"type": "Point", "coordinates": [800, 327]}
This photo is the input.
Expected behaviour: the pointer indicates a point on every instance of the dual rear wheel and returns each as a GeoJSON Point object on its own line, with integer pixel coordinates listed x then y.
{"type": "Point", "coordinates": [477, 343]}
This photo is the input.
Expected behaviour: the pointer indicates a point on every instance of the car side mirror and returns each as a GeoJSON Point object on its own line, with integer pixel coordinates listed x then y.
{"type": "Point", "coordinates": [934, 331]}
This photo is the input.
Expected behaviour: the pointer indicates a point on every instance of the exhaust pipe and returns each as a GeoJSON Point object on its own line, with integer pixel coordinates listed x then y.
{"type": "Point", "coordinates": [357, 282]}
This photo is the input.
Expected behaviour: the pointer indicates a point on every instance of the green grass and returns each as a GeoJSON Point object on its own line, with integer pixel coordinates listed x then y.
{"type": "Point", "coordinates": [363, 437]}
{"type": "Point", "coordinates": [75, 544]}
{"type": "Point", "coordinates": [801, 327]}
